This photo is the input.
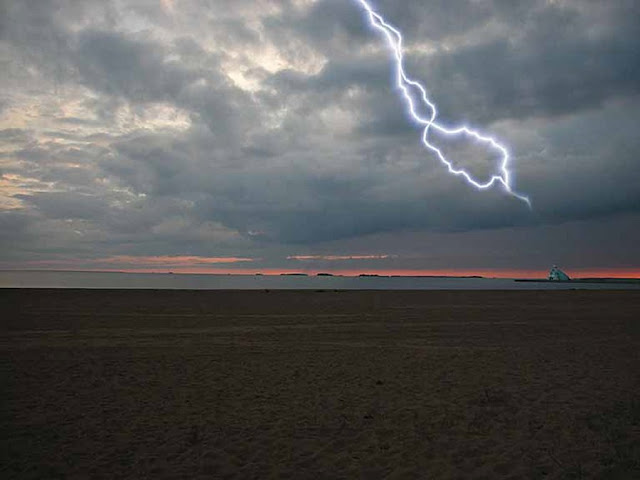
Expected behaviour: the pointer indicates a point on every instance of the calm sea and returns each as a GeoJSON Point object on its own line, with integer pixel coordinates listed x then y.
{"type": "Point", "coordinates": [53, 279]}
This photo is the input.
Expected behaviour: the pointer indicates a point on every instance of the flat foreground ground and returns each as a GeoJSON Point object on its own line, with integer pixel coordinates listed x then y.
{"type": "Point", "coordinates": [320, 384]}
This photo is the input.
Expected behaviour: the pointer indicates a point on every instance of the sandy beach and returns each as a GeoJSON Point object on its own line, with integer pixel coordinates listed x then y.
{"type": "Point", "coordinates": [320, 384]}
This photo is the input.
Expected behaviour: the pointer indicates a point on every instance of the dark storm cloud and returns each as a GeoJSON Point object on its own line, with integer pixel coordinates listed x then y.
{"type": "Point", "coordinates": [14, 135]}
{"type": "Point", "coordinates": [326, 24]}
{"type": "Point", "coordinates": [336, 77]}
{"type": "Point", "coordinates": [132, 67]}
{"type": "Point", "coordinates": [289, 203]}
{"type": "Point", "coordinates": [557, 65]}
{"type": "Point", "coordinates": [140, 72]}
{"type": "Point", "coordinates": [55, 205]}
{"type": "Point", "coordinates": [136, 70]}
{"type": "Point", "coordinates": [315, 145]}
{"type": "Point", "coordinates": [555, 61]}
{"type": "Point", "coordinates": [438, 19]}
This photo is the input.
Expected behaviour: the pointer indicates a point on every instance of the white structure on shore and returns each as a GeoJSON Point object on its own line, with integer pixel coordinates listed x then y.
{"type": "Point", "coordinates": [558, 275]}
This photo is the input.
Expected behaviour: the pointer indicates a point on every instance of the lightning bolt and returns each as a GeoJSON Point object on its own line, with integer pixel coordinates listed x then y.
{"type": "Point", "coordinates": [405, 84]}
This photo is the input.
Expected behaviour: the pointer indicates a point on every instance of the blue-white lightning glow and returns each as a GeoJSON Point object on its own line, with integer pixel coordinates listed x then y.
{"type": "Point", "coordinates": [404, 83]}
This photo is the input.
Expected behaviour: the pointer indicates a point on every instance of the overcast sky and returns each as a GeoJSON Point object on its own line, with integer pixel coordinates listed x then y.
{"type": "Point", "coordinates": [264, 135]}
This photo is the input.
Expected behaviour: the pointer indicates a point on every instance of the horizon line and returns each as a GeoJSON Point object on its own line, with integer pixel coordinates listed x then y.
{"type": "Point", "coordinates": [631, 273]}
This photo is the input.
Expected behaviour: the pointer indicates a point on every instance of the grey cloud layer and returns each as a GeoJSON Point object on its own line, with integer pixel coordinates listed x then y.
{"type": "Point", "coordinates": [319, 147]}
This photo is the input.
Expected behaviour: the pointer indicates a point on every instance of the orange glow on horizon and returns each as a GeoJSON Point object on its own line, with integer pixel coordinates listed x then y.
{"type": "Point", "coordinates": [487, 273]}
{"type": "Point", "coordinates": [191, 264]}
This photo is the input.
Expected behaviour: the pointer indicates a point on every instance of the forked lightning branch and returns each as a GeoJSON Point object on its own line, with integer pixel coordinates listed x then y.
{"type": "Point", "coordinates": [406, 85]}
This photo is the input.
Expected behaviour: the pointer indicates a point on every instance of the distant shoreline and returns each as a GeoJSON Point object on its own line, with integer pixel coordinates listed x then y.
{"type": "Point", "coordinates": [256, 274]}
{"type": "Point", "coordinates": [255, 281]}
{"type": "Point", "coordinates": [259, 274]}
{"type": "Point", "coordinates": [633, 280]}
{"type": "Point", "coordinates": [582, 280]}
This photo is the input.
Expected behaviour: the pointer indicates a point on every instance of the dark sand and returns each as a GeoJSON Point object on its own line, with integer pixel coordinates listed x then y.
{"type": "Point", "coordinates": [423, 384]}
